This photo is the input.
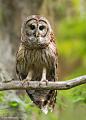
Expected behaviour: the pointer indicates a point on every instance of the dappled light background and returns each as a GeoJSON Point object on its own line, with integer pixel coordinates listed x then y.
{"type": "Point", "coordinates": [68, 21]}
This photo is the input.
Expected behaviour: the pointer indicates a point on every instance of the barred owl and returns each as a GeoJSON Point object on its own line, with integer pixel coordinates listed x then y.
{"type": "Point", "coordinates": [37, 59]}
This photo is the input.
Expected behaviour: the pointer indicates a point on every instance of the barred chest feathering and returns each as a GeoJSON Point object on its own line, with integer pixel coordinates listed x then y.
{"type": "Point", "coordinates": [36, 58]}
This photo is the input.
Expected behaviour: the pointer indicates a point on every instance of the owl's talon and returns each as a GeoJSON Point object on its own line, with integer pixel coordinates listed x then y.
{"type": "Point", "coordinates": [39, 84]}
{"type": "Point", "coordinates": [47, 83]}
{"type": "Point", "coordinates": [23, 84]}
{"type": "Point", "coordinates": [44, 80]}
{"type": "Point", "coordinates": [25, 81]}
{"type": "Point", "coordinates": [28, 83]}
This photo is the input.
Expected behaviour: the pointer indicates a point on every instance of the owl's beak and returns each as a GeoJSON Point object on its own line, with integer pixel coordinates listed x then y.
{"type": "Point", "coordinates": [36, 33]}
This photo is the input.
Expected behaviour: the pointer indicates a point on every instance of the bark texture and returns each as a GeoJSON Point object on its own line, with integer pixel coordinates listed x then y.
{"type": "Point", "coordinates": [61, 85]}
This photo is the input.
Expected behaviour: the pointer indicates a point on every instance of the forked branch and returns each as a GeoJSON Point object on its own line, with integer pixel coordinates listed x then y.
{"type": "Point", "coordinates": [60, 85]}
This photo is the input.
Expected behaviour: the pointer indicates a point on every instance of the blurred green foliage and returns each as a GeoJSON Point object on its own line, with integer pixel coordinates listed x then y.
{"type": "Point", "coordinates": [25, 105]}
{"type": "Point", "coordinates": [71, 42]}
{"type": "Point", "coordinates": [71, 38]}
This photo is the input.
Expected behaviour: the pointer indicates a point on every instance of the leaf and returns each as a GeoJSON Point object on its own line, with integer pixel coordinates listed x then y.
{"type": "Point", "coordinates": [13, 103]}
{"type": "Point", "coordinates": [4, 112]}
{"type": "Point", "coordinates": [28, 106]}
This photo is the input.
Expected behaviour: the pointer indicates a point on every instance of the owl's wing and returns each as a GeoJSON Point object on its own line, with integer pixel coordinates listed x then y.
{"type": "Point", "coordinates": [56, 56]}
{"type": "Point", "coordinates": [20, 62]}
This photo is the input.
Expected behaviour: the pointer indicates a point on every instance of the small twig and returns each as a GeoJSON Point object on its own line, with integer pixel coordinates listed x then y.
{"type": "Point", "coordinates": [60, 85]}
{"type": "Point", "coordinates": [6, 81]}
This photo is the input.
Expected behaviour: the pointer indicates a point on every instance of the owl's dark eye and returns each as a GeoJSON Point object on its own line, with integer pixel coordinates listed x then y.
{"type": "Point", "coordinates": [32, 27]}
{"type": "Point", "coordinates": [41, 27]}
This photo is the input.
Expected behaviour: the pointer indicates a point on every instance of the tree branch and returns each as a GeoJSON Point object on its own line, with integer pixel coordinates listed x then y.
{"type": "Point", "coordinates": [60, 85]}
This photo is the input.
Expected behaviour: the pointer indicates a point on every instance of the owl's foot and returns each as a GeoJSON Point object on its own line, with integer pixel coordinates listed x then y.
{"type": "Point", "coordinates": [43, 80]}
{"type": "Point", "coordinates": [25, 81]}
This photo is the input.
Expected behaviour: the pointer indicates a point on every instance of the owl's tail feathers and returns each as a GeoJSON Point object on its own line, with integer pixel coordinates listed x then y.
{"type": "Point", "coordinates": [45, 104]}
{"type": "Point", "coordinates": [51, 102]}
{"type": "Point", "coordinates": [45, 109]}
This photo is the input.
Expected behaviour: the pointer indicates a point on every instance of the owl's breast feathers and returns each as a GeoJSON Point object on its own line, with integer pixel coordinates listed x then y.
{"type": "Point", "coordinates": [37, 58]}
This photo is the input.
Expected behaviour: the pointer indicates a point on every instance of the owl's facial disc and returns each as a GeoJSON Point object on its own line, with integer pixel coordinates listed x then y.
{"type": "Point", "coordinates": [37, 32]}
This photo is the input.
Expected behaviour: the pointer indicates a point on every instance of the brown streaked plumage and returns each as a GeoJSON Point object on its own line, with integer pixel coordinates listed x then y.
{"type": "Point", "coordinates": [37, 59]}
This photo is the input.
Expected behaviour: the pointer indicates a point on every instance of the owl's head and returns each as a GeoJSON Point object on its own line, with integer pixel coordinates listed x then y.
{"type": "Point", "coordinates": [35, 32]}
